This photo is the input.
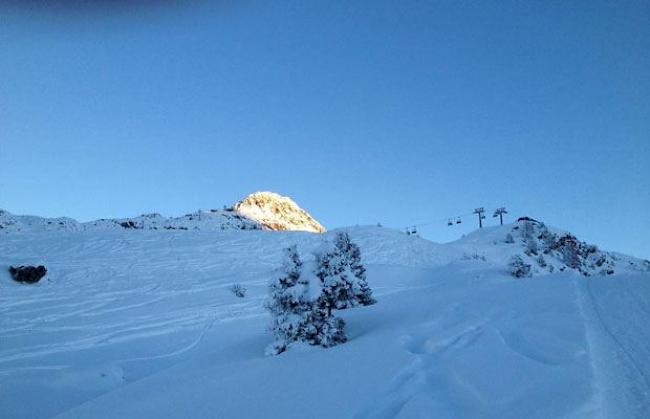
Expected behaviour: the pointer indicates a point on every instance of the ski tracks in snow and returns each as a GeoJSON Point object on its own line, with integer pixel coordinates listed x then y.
{"type": "Point", "coordinates": [428, 380]}
{"type": "Point", "coordinates": [461, 349]}
{"type": "Point", "coordinates": [617, 320]}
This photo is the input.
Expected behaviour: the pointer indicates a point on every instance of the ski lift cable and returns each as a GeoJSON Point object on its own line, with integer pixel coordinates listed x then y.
{"type": "Point", "coordinates": [458, 219]}
{"type": "Point", "coordinates": [428, 223]}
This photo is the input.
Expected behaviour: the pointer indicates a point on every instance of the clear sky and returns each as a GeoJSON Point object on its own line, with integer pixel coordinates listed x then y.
{"type": "Point", "coordinates": [363, 111]}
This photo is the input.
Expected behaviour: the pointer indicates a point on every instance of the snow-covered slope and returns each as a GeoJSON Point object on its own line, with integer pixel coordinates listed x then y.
{"type": "Point", "coordinates": [277, 212]}
{"type": "Point", "coordinates": [545, 249]}
{"type": "Point", "coordinates": [10, 223]}
{"type": "Point", "coordinates": [143, 324]}
{"type": "Point", "coordinates": [260, 210]}
{"type": "Point", "coordinates": [210, 220]}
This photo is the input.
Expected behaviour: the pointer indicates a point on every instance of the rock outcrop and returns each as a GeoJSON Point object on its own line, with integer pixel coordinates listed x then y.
{"type": "Point", "coordinates": [27, 274]}
{"type": "Point", "coordinates": [277, 212]}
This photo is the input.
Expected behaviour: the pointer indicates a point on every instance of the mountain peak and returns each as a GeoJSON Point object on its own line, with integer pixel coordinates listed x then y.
{"type": "Point", "coordinates": [276, 212]}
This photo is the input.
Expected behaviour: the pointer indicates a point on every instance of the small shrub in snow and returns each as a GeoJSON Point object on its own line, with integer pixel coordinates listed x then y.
{"type": "Point", "coordinates": [238, 290]}
{"type": "Point", "coordinates": [569, 248]}
{"type": "Point", "coordinates": [474, 256]}
{"type": "Point", "coordinates": [509, 239]}
{"type": "Point", "coordinates": [531, 247]}
{"type": "Point", "coordinates": [518, 268]}
{"type": "Point", "coordinates": [547, 239]}
{"type": "Point", "coordinates": [602, 263]}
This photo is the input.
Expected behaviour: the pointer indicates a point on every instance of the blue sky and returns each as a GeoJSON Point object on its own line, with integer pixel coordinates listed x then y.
{"type": "Point", "coordinates": [399, 112]}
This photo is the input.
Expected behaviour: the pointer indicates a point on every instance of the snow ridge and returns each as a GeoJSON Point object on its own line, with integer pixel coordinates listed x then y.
{"type": "Point", "coordinates": [210, 220]}
{"type": "Point", "coordinates": [530, 248]}
{"type": "Point", "coordinates": [258, 211]}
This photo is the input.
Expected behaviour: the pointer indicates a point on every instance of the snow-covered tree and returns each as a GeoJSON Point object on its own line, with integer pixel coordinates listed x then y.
{"type": "Point", "coordinates": [336, 281]}
{"type": "Point", "coordinates": [509, 239]}
{"type": "Point", "coordinates": [529, 236]}
{"type": "Point", "coordinates": [343, 276]}
{"type": "Point", "coordinates": [322, 328]}
{"type": "Point", "coordinates": [569, 248]}
{"type": "Point", "coordinates": [296, 316]}
{"type": "Point", "coordinates": [352, 258]}
{"type": "Point", "coordinates": [289, 304]}
{"type": "Point", "coordinates": [518, 268]}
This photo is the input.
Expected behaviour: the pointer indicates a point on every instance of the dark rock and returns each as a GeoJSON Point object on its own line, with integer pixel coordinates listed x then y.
{"type": "Point", "coordinates": [128, 224]}
{"type": "Point", "coordinates": [528, 219]}
{"type": "Point", "coordinates": [28, 274]}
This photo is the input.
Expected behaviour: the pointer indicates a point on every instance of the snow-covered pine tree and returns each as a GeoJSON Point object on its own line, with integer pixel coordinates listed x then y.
{"type": "Point", "coordinates": [519, 268]}
{"type": "Point", "coordinates": [361, 289]}
{"type": "Point", "coordinates": [343, 276]}
{"type": "Point", "coordinates": [295, 316]}
{"type": "Point", "coordinates": [336, 280]}
{"type": "Point", "coordinates": [289, 304]}
{"type": "Point", "coordinates": [322, 328]}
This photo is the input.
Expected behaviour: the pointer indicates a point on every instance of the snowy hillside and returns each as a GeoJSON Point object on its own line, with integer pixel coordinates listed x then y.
{"type": "Point", "coordinates": [544, 250]}
{"type": "Point", "coordinates": [257, 211]}
{"type": "Point", "coordinates": [142, 323]}
{"type": "Point", "coordinates": [210, 220]}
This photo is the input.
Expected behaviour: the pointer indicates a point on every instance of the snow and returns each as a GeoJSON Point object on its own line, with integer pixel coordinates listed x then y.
{"type": "Point", "coordinates": [257, 211]}
{"type": "Point", "coordinates": [143, 324]}
{"type": "Point", "coordinates": [210, 220]}
{"type": "Point", "coordinates": [617, 313]}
